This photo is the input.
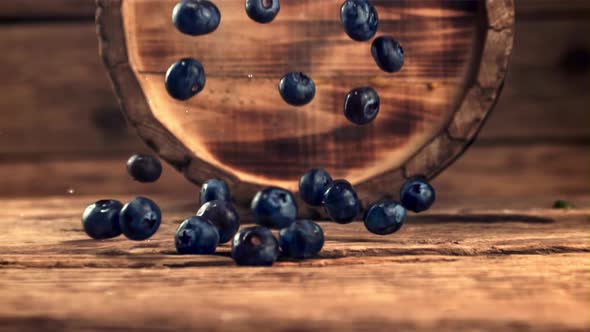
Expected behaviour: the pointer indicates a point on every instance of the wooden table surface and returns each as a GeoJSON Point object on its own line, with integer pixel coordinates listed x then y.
{"type": "Point", "coordinates": [448, 270]}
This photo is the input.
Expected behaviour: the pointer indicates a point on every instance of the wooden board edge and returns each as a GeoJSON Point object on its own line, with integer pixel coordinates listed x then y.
{"type": "Point", "coordinates": [480, 98]}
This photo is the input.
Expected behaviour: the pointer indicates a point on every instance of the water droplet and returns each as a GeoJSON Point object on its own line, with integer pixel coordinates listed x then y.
{"type": "Point", "coordinates": [71, 191]}
{"type": "Point", "coordinates": [250, 76]}
{"type": "Point", "coordinates": [187, 111]}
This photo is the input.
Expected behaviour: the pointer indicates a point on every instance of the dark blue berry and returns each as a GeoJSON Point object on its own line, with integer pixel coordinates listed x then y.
{"type": "Point", "coordinates": [197, 236]}
{"type": "Point", "coordinates": [196, 17]}
{"type": "Point", "coordinates": [297, 89]}
{"type": "Point", "coordinates": [255, 246]}
{"type": "Point", "coordinates": [140, 219]}
{"type": "Point", "coordinates": [362, 105]}
{"type": "Point", "coordinates": [385, 218]}
{"type": "Point", "coordinates": [359, 19]}
{"type": "Point", "coordinates": [388, 54]}
{"type": "Point", "coordinates": [144, 168]}
{"type": "Point", "coordinates": [312, 186]}
{"type": "Point", "coordinates": [303, 239]}
{"type": "Point", "coordinates": [224, 216]}
{"type": "Point", "coordinates": [213, 190]}
{"type": "Point", "coordinates": [341, 202]}
{"type": "Point", "coordinates": [261, 13]}
{"type": "Point", "coordinates": [185, 78]}
{"type": "Point", "coordinates": [101, 219]}
{"type": "Point", "coordinates": [274, 208]}
{"type": "Point", "coordinates": [417, 195]}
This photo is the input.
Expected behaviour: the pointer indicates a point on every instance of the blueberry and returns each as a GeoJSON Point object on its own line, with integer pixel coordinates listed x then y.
{"type": "Point", "coordinates": [359, 19]}
{"type": "Point", "coordinates": [101, 219]}
{"type": "Point", "coordinates": [388, 54]}
{"type": "Point", "coordinates": [361, 105]}
{"type": "Point", "coordinates": [185, 78]}
{"type": "Point", "coordinates": [197, 236]}
{"type": "Point", "coordinates": [341, 202]}
{"type": "Point", "coordinates": [196, 17]}
{"type": "Point", "coordinates": [303, 239]}
{"type": "Point", "coordinates": [144, 168]}
{"type": "Point", "coordinates": [417, 195]}
{"type": "Point", "coordinates": [385, 218]}
{"type": "Point", "coordinates": [274, 207]}
{"type": "Point", "coordinates": [261, 13]}
{"type": "Point", "coordinates": [297, 89]}
{"type": "Point", "coordinates": [215, 189]}
{"type": "Point", "coordinates": [255, 246]}
{"type": "Point", "coordinates": [140, 219]}
{"type": "Point", "coordinates": [312, 186]}
{"type": "Point", "coordinates": [224, 216]}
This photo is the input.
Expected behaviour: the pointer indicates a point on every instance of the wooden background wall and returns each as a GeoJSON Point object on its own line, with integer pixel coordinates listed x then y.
{"type": "Point", "coordinates": [60, 127]}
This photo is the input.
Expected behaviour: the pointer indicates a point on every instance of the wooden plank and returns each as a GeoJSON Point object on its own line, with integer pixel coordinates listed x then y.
{"type": "Point", "coordinates": [42, 9]}
{"type": "Point", "coordinates": [35, 9]}
{"type": "Point", "coordinates": [528, 269]}
{"type": "Point", "coordinates": [486, 177]}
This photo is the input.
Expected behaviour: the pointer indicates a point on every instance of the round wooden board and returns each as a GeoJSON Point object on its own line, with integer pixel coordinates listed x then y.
{"type": "Point", "coordinates": [239, 129]}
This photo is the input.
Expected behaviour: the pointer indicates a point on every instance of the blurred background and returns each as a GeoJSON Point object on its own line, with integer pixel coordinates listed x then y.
{"type": "Point", "coordinates": [61, 131]}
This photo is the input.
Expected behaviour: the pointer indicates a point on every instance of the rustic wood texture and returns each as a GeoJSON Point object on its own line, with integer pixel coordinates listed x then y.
{"type": "Point", "coordinates": [467, 47]}
{"type": "Point", "coordinates": [523, 271]}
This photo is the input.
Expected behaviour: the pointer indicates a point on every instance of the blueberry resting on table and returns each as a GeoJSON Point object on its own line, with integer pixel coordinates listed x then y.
{"type": "Point", "coordinates": [140, 219]}
{"type": "Point", "coordinates": [303, 239]}
{"type": "Point", "coordinates": [101, 219]}
{"type": "Point", "coordinates": [223, 216]}
{"type": "Point", "coordinates": [144, 168]}
{"type": "Point", "coordinates": [341, 202]}
{"type": "Point", "coordinates": [361, 105]}
{"type": "Point", "coordinates": [417, 195]}
{"type": "Point", "coordinates": [359, 19]}
{"type": "Point", "coordinates": [215, 189]}
{"type": "Point", "coordinates": [196, 17]}
{"type": "Point", "coordinates": [385, 218]}
{"type": "Point", "coordinates": [297, 89]}
{"type": "Point", "coordinates": [185, 79]}
{"type": "Point", "coordinates": [388, 54]}
{"type": "Point", "coordinates": [261, 13]}
{"type": "Point", "coordinates": [255, 246]}
{"type": "Point", "coordinates": [274, 208]}
{"type": "Point", "coordinates": [312, 186]}
{"type": "Point", "coordinates": [197, 236]}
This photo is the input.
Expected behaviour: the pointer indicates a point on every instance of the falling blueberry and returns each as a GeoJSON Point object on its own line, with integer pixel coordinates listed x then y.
{"type": "Point", "coordinates": [196, 17]}
{"type": "Point", "coordinates": [215, 189]}
{"type": "Point", "coordinates": [361, 105]}
{"type": "Point", "coordinates": [274, 207]}
{"type": "Point", "coordinates": [185, 79]}
{"type": "Point", "coordinates": [359, 19]}
{"type": "Point", "coordinates": [297, 89]}
{"type": "Point", "coordinates": [224, 216]}
{"type": "Point", "coordinates": [140, 219]}
{"type": "Point", "coordinates": [144, 168]}
{"type": "Point", "coordinates": [255, 246]}
{"type": "Point", "coordinates": [101, 219]}
{"type": "Point", "coordinates": [417, 195]}
{"type": "Point", "coordinates": [385, 218]}
{"type": "Point", "coordinates": [341, 202]}
{"type": "Point", "coordinates": [388, 54]}
{"type": "Point", "coordinates": [312, 186]}
{"type": "Point", "coordinates": [260, 12]}
{"type": "Point", "coordinates": [197, 236]}
{"type": "Point", "coordinates": [303, 239]}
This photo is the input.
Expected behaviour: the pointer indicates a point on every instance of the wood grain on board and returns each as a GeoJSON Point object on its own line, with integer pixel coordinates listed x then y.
{"type": "Point", "coordinates": [529, 268]}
